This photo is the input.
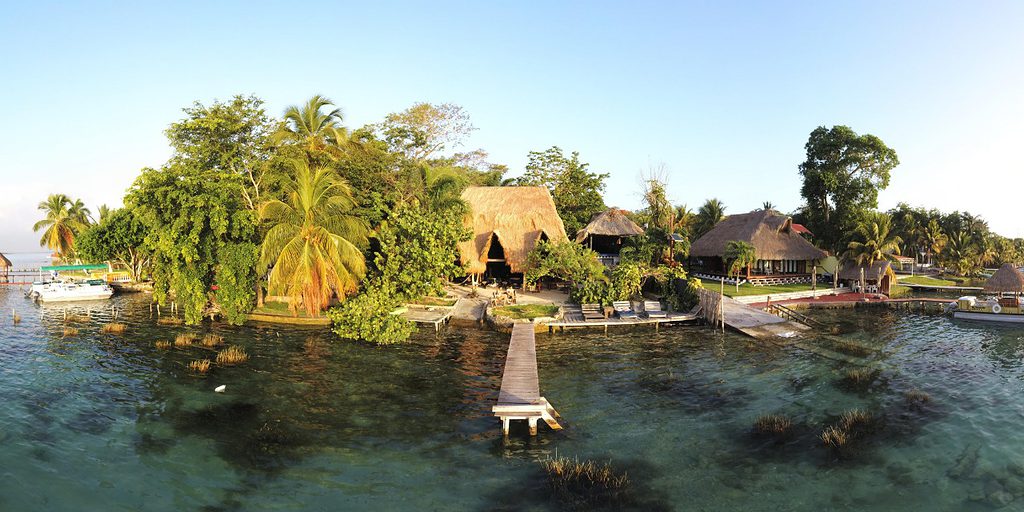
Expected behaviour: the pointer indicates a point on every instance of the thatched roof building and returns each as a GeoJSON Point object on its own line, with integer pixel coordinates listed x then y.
{"type": "Point", "coordinates": [606, 231]}
{"type": "Point", "coordinates": [507, 223]}
{"type": "Point", "coordinates": [1007, 279]}
{"type": "Point", "coordinates": [770, 232]}
{"type": "Point", "coordinates": [879, 274]}
{"type": "Point", "coordinates": [4, 262]}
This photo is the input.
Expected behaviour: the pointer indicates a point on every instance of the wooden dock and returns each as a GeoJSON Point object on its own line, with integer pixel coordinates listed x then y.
{"type": "Point", "coordinates": [519, 397]}
{"type": "Point", "coordinates": [940, 288]}
{"type": "Point", "coordinates": [756, 323]}
{"type": "Point", "coordinates": [574, 319]}
{"type": "Point", "coordinates": [433, 315]}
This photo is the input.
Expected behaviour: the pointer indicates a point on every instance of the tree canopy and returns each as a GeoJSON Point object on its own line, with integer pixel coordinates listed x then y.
{"type": "Point", "coordinates": [575, 190]}
{"type": "Point", "coordinates": [842, 175]}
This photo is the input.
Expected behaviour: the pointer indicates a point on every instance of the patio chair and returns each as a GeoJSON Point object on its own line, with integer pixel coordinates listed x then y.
{"type": "Point", "coordinates": [624, 309]}
{"type": "Point", "coordinates": [653, 309]}
{"type": "Point", "coordinates": [592, 312]}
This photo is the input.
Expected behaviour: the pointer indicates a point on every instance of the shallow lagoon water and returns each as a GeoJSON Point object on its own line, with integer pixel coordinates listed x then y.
{"type": "Point", "coordinates": [108, 422]}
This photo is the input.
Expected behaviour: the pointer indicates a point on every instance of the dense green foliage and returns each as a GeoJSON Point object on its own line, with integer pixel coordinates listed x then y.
{"type": "Point", "coordinates": [119, 237]}
{"type": "Point", "coordinates": [709, 214]}
{"type": "Point", "coordinates": [873, 241]}
{"type": "Point", "coordinates": [576, 191]}
{"type": "Point", "coordinates": [573, 263]}
{"type": "Point", "coordinates": [198, 211]}
{"type": "Point", "coordinates": [842, 175]}
{"type": "Point", "coordinates": [370, 317]}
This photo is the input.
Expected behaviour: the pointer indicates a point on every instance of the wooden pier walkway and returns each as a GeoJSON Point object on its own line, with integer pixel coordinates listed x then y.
{"type": "Point", "coordinates": [519, 397]}
{"type": "Point", "coordinates": [573, 319]}
{"type": "Point", "coordinates": [753, 322]}
{"type": "Point", "coordinates": [433, 315]}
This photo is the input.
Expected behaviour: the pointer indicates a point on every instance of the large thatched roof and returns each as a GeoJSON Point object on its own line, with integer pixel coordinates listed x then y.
{"type": "Point", "coordinates": [1006, 279]}
{"type": "Point", "coordinates": [768, 231]}
{"type": "Point", "coordinates": [517, 216]}
{"type": "Point", "coordinates": [4, 262]}
{"type": "Point", "coordinates": [851, 271]}
{"type": "Point", "coordinates": [611, 222]}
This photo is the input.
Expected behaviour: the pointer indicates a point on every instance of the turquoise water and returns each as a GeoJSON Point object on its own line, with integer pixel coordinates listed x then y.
{"type": "Point", "coordinates": [108, 422]}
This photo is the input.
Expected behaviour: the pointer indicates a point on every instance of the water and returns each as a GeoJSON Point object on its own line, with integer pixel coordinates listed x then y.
{"type": "Point", "coordinates": [107, 422]}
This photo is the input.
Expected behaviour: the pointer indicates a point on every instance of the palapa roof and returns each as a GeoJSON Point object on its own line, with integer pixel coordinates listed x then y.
{"type": "Point", "coordinates": [801, 229]}
{"type": "Point", "coordinates": [770, 232]}
{"type": "Point", "coordinates": [611, 222]}
{"type": "Point", "coordinates": [1006, 279]}
{"type": "Point", "coordinates": [4, 262]}
{"type": "Point", "coordinates": [516, 216]}
{"type": "Point", "coordinates": [851, 271]}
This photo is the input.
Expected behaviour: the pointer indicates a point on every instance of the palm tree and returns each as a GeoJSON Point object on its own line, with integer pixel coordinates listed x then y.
{"type": "Point", "coordinates": [960, 254]}
{"type": "Point", "coordinates": [741, 255]}
{"type": "Point", "coordinates": [932, 238]}
{"type": "Point", "coordinates": [767, 205]}
{"type": "Point", "coordinates": [709, 214]}
{"type": "Point", "coordinates": [307, 125]}
{"type": "Point", "coordinates": [312, 239]}
{"type": "Point", "coordinates": [63, 222]}
{"type": "Point", "coordinates": [685, 219]}
{"type": "Point", "coordinates": [103, 212]}
{"type": "Point", "coordinates": [877, 241]}
{"type": "Point", "coordinates": [442, 191]}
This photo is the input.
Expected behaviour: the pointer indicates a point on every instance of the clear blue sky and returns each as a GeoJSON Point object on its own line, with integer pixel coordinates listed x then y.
{"type": "Point", "coordinates": [723, 94]}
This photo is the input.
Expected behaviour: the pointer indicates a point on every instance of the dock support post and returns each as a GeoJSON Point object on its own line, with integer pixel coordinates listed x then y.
{"type": "Point", "coordinates": [533, 425]}
{"type": "Point", "coordinates": [504, 426]}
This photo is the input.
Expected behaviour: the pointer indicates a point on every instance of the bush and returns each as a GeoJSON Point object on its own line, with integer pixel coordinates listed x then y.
{"type": "Point", "coordinates": [369, 317]}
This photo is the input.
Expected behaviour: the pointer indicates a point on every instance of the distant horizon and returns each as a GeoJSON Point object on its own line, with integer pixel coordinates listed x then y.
{"type": "Point", "coordinates": [723, 96]}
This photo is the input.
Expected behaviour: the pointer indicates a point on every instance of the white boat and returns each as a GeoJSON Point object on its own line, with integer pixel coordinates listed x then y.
{"type": "Point", "coordinates": [63, 291]}
{"type": "Point", "coordinates": [992, 309]}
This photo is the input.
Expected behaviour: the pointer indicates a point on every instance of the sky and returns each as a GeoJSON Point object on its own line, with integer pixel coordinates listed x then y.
{"type": "Point", "coordinates": [718, 97]}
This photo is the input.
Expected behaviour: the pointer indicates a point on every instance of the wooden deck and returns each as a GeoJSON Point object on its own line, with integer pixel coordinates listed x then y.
{"type": "Point", "coordinates": [519, 397]}
{"type": "Point", "coordinates": [433, 315]}
{"type": "Point", "coordinates": [574, 319]}
{"type": "Point", "coordinates": [753, 322]}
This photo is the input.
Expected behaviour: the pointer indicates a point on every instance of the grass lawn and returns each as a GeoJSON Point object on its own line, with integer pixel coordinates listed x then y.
{"type": "Point", "coordinates": [748, 289]}
{"type": "Point", "coordinates": [930, 281]}
{"type": "Point", "coordinates": [435, 301]}
{"type": "Point", "coordinates": [280, 309]}
{"type": "Point", "coordinates": [526, 311]}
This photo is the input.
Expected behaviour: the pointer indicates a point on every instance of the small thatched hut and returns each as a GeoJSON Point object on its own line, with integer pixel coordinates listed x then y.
{"type": "Point", "coordinates": [1008, 279]}
{"type": "Point", "coordinates": [783, 255]}
{"type": "Point", "coordinates": [5, 268]}
{"type": "Point", "coordinates": [879, 275]}
{"type": "Point", "coordinates": [507, 223]}
{"type": "Point", "coordinates": [606, 232]}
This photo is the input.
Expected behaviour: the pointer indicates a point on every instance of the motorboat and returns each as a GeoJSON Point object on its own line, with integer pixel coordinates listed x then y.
{"type": "Point", "coordinates": [64, 291]}
{"type": "Point", "coordinates": [993, 309]}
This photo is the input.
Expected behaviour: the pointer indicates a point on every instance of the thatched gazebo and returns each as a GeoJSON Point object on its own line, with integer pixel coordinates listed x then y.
{"type": "Point", "coordinates": [1008, 279]}
{"type": "Point", "coordinates": [5, 268]}
{"type": "Point", "coordinates": [507, 223]}
{"type": "Point", "coordinates": [783, 255]}
{"type": "Point", "coordinates": [879, 273]}
{"type": "Point", "coordinates": [606, 231]}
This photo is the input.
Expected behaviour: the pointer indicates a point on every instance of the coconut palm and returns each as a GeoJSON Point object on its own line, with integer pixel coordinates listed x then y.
{"type": "Point", "coordinates": [312, 238]}
{"type": "Point", "coordinates": [740, 255]}
{"type": "Point", "coordinates": [932, 238]}
{"type": "Point", "coordinates": [960, 254]}
{"type": "Point", "coordinates": [442, 191]}
{"type": "Point", "coordinates": [103, 212]}
{"type": "Point", "coordinates": [875, 241]}
{"type": "Point", "coordinates": [307, 125]}
{"type": "Point", "coordinates": [63, 222]}
{"type": "Point", "coordinates": [709, 214]}
{"type": "Point", "coordinates": [767, 205]}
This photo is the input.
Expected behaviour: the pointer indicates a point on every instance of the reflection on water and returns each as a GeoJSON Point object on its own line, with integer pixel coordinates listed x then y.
{"type": "Point", "coordinates": [105, 421]}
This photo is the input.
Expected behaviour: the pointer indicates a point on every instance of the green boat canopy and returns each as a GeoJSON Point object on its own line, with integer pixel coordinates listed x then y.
{"type": "Point", "coordinates": [74, 267]}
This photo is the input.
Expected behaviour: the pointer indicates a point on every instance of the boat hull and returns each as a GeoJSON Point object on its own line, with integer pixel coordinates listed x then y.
{"type": "Point", "coordinates": [97, 296]}
{"type": "Point", "coordinates": [1013, 318]}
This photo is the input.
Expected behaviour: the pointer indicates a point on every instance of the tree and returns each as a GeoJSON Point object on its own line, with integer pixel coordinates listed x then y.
{"type": "Point", "coordinates": [229, 137]}
{"type": "Point", "coordinates": [310, 128]}
{"type": "Point", "coordinates": [64, 220]}
{"type": "Point", "coordinates": [874, 241]}
{"type": "Point", "coordinates": [932, 238]}
{"type": "Point", "coordinates": [575, 190]}
{"type": "Point", "coordinates": [710, 213]}
{"type": "Point", "coordinates": [103, 212]}
{"type": "Point", "coordinates": [767, 205]}
{"type": "Point", "coordinates": [959, 254]}
{"type": "Point", "coordinates": [740, 255]}
{"type": "Point", "coordinates": [119, 237]}
{"type": "Point", "coordinates": [424, 130]}
{"type": "Point", "coordinates": [312, 239]}
{"type": "Point", "coordinates": [199, 212]}
{"type": "Point", "coordinates": [573, 263]}
{"type": "Point", "coordinates": [842, 175]}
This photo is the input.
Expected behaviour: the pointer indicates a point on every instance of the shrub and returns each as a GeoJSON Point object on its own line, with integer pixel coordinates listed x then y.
{"type": "Point", "coordinates": [184, 339]}
{"type": "Point", "coordinates": [370, 317]}
{"type": "Point", "coordinates": [584, 483]}
{"type": "Point", "coordinates": [212, 340]}
{"type": "Point", "coordinates": [232, 355]}
{"type": "Point", "coordinates": [200, 365]}
{"type": "Point", "coordinates": [834, 437]}
{"type": "Point", "coordinates": [114, 328]}
{"type": "Point", "coordinates": [773, 425]}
